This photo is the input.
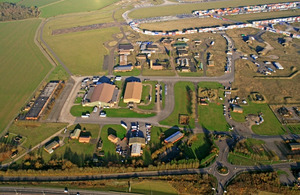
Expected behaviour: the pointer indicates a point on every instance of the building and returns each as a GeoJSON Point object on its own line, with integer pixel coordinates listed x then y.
{"type": "Point", "coordinates": [125, 49]}
{"type": "Point", "coordinates": [294, 146]}
{"type": "Point", "coordinates": [123, 60]}
{"type": "Point", "coordinates": [136, 150]}
{"type": "Point", "coordinates": [42, 101]}
{"type": "Point", "coordinates": [182, 53]}
{"type": "Point", "coordinates": [137, 140]}
{"type": "Point", "coordinates": [51, 146]}
{"type": "Point", "coordinates": [75, 134]}
{"type": "Point", "coordinates": [156, 66]}
{"type": "Point", "coordinates": [124, 68]}
{"type": "Point", "coordinates": [237, 109]}
{"type": "Point", "coordinates": [133, 92]}
{"type": "Point", "coordinates": [152, 47]}
{"type": "Point", "coordinates": [174, 137]}
{"type": "Point", "coordinates": [103, 94]}
{"type": "Point", "coordinates": [114, 139]}
{"type": "Point", "coordinates": [84, 138]}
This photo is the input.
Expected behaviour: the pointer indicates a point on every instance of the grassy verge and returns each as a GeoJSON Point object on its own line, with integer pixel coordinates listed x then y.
{"type": "Point", "coordinates": [270, 126]}
{"type": "Point", "coordinates": [149, 72]}
{"type": "Point", "coordinates": [181, 104]}
{"type": "Point", "coordinates": [134, 72]}
{"type": "Point", "coordinates": [78, 110]}
{"type": "Point", "coordinates": [199, 149]}
{"type": "Point", "coordinates": [295, 129]}
{"type": "Point", "coordinates": [152, 103]}
{"type": "Point", "coordinates": [124, 112]}
{"type": "Point", "coordinates": [190, 74]}
{"type": "Point", "coordinates": [242, 160]}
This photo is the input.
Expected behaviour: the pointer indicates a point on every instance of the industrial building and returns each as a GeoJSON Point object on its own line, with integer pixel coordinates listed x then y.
{"type": "Point", "coordinates": [42, 101]}
{"type": "Point", "coordinates": [133, 92]}
{"type": "Point", "coordinates": [50, 147]}
{"type": "Point", "coordinates": [103, 94]}
{"type": "Point", "coordinates": [174, 137]}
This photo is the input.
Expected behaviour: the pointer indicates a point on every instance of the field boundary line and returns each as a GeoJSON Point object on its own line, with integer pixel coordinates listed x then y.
{"type": "Point", "coordinates": [51, 4]}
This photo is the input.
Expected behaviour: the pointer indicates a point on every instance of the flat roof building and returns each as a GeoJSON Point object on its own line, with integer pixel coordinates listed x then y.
{"type": "Point", "coordinates": [103, 94]}
{"type": "Point", "coordinates": [136, 150]}
{"type": "Point", "coordinates": [137, 140]}
{"type": "Point", "coordinates": [295, 146]}
{"type": "Point", "coordinates": [124, 68]}
{"type": "Point", "coordinates": [174, 137]}
{"type": "Point", "coordinates": [133, 92]}
{"type": "Point", "coordinates": [236, 108]}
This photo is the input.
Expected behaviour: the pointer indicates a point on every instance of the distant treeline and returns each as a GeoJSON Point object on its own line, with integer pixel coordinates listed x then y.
{"type": "Point", "coordinates": [11, 11]}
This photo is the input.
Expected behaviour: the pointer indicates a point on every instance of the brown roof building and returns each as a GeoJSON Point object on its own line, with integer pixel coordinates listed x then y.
{"type": "Point", "coordinates": [84, 138]}
{"type": "Point", "coordinates": [103, 94]}
{"type": "Point", "coordinates": [114, 139]}
{"type": "Point", "coordinates": [133, 92]}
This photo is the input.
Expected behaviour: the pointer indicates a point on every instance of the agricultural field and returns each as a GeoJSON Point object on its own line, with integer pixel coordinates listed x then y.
{"type": "Point", "coordinates": [37, 3]}
{"type": "Point", "coordinates": [34, 132]}
{"type": "Point", "coordinates": [183, 23]}
{"type": "Point", "coordinates": [73, 6]}
{"type": "Point", "coordinates": [23, 66]}
{"type": "Point", "coordinates": [270, 126]}
{"type": "Point", "coordinates": [265, 15]}
{"type": "Point", "coordinates": [154, 187]}
{"type": "Point", "coordinates": [10, 1]}
{"type": "Point", "coordinates": [188, 8]}
{"type": "Point", "coordinates": [82, 52]}
{"type": "Point", "coordinates": [182, 104]}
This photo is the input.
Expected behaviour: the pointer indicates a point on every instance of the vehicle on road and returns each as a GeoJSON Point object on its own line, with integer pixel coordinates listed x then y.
{"type": "Point", "coordinates": [102, 114]}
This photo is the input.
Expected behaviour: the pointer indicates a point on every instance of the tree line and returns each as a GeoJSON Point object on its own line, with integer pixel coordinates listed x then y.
{"type": "Point", "coordinates": [11, 11]}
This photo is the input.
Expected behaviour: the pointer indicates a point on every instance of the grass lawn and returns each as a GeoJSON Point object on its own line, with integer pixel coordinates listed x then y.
{"type": "Point", "coordinates": [37, 3]}
{"type": "Point", "coordinates": [11, 1]}
{"type": "Point", "coordinates": [152, 103]}
{"type": "Point", "coordinates": [154, 187]}
{"type": "Point", "coordinates": [200, 148]}
{"type": "Point", "coordinates": [78, 110]}
{"type": "Point", "coordinates": [181, 104]}
{"type": "Point", "coordinates": [270, 126]}
{"type": "Point", "coordinates": [241, 160]}
{"type": "Point", "coordinates": [184, 23]}
{"type": "Point", "coordinates": [72, 6]}
{"type": "Point", "coordinates": [134, 72]}
{"type": "Point", "coordinates": [149, 72]}
{"type": "Point", "coordinates": [58, 73]}
{"type": "Point", "coordinates": [188, 8]}
{"type": "Point", "coordinates": [145, 94]}
{"type": "Point", "coordinates": [211, 117]}
{"type": "Point", "coordinates": [125, 112]}
{"type": "Point", "coordinates": [163, 94]}
{"type": "Point", "coordinates": [264, 15]}
{"type": "Point", "coordinates": [295, 129]}
{"type": "Point", "coordinates": [92, 128]}
{"type": "Point", "coordinates": [108, 147]}
{"type": "Point", "coordinates": [210, 85]}
{"type": "Point", "coordinates": [35, 132]}
{"type": "Point", "coordinates": [82, 52]}
{"type": "Point", "coordinates": [22, 68]}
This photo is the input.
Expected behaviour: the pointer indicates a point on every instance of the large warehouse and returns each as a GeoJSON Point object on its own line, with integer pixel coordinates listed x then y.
{"type": "Point", "coordinates": [133, 92]}
{"type": "Point", "coordinates": [103, 94]}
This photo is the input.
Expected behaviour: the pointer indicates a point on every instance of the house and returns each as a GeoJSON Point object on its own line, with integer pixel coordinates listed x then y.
{"type": "Point", "coordinates": [50, 147]}
{"type": "Point", "coordinates": [174, 137]}
{"type": "Point", "coordinates": [182, 53]}
{"type": "Point", "coordinates": [124, 68]}
{"type": "Point", "coordinates": [152, 47]}
{"type": "Point", "coordinates": [104, 94]}
{"type": "Point", "coordinates": [167, 41]}
{"type": "Point", "coordinates": [237, 109]}
{"type": "Point", "coordinates": [75, 134]}
{"type": "Point", "coordinates": [114, 139]}
{"type": "Point", "coordinates": [197, 42]}
{"type": "Point", "coordinates": [141, 56]}
{"type": "Point", "coordinates": [133, 92]}
{"type": "Point", "coordinates": [156, 66]}
{"type": "Point", "coordinates": [84, 138]}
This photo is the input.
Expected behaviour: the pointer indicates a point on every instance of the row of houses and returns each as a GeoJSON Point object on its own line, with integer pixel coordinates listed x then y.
{"type": "Point", "coordinates": [248, 9]}
{"type": "Point", "coordinates": [255, 24]}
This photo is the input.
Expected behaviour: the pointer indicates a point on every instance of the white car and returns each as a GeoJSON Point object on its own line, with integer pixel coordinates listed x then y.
{"type": "Point", "coordinates": [102, 114]}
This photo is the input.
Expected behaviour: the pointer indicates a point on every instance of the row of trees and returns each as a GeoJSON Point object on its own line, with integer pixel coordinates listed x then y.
{"type": "Point", "coordinates": [11, 11]}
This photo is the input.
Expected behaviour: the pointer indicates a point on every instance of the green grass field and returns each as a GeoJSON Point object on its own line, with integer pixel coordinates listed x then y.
{"type": "Point", "coordinates": [181, 103]}
{"type": "Point", "coordinates": [295, 129]}
{"type": "Point", "coordinates": [108, 147]}
{"type": "Point", "coordinates": [10, 1]}
{"type": "Point", "coordinates": [73, 6]}
{"type": "Point", "coordinates": [266, 15]}
{"type": "Point", "coordinates": [152, 103]}
{"type": "Point", "coordinates": [78, 110]}
{"type": "Point", "coordinates": [211, 117]}
{"type": "Point", "coordinates": [200, 148]}
{"type": "Point", "coordinates": [154, 187]}
{"type": "Point", "coordinates": [125, 112]}
{"type": "Point", "coordinates": [82, 52]}
{"type": "Point", "coordinates": [37, 3]}
{"type": "Point", "coordinates": [270, 126]}
{"type": "Point", "coordinates": [188, 8]}
{"type": "Point", "coordinates": [210, 85]}
{"type": "Point", "coordinates": [22, 68]}
{"type": "Point", "coordinates": [35, 132]}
